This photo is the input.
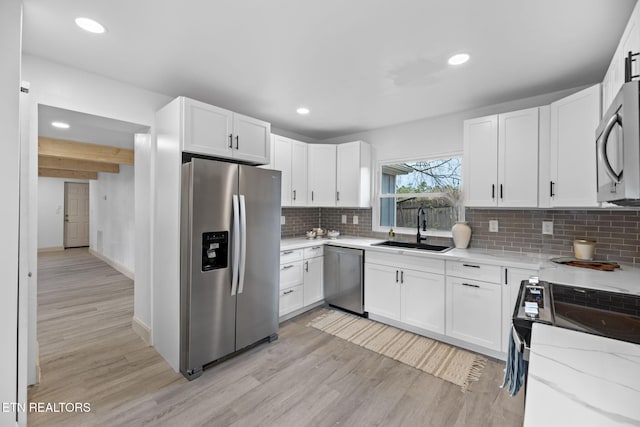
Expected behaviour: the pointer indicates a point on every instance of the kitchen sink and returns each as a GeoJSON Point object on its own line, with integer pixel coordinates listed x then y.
{"type": "Point", "coordinates": [408, 245]}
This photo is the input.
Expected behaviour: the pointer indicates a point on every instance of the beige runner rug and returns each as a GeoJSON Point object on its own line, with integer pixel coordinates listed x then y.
{"type": "Point", "coordinates": [449, 363]}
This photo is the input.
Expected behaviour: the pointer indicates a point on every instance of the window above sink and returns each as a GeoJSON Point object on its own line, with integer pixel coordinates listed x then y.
{"type": "Point", "coordinates": [402, 187]}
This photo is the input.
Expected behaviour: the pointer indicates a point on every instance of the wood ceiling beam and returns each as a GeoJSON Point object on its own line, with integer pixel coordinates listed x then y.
{"type": "Point", "coordinates": [48, 162]}
{"type": "Point", "coordinates": [61, 173]}
{"type": "Point", "coordinates": [84, 151]}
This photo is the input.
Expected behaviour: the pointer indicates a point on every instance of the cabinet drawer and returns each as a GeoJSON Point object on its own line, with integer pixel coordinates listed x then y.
{"type": "Point", "coordinates": [313, 251]}
{"type": "Point", "coordinates": [290, 274]}
{"type": "Point", "coordinates": [291, 299]}
{"type": "Point", "coordinates": [405, 260]}
{"type": "Point", "coordinates": [290, 255]}
{"type": "Point", "coordinates": [474, 270]}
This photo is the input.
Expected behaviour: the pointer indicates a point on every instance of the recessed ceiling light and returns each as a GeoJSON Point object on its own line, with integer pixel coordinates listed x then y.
{"type": "Point", "coordinates": [303, 110]}
{"type": "Point", "coordinates": [459, 59]}
{"type": "Point", "coordinates": [60, 125]}
{"type": "Point", "coordinates": [90, 25]}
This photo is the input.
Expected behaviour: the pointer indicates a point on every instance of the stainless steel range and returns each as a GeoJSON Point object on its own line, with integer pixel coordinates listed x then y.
{"type": "Point", "coordinates": [609, 314]}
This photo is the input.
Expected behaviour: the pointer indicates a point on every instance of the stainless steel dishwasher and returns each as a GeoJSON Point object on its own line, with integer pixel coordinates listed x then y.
{"type": "Point", "coordinates": [344, 278]}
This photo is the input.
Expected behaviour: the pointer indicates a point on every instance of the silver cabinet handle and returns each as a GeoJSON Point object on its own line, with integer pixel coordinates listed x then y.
{"type": "Point", "coordinates": [287, 252]}
{"type": "Point", "coordinates": [396, 276]}
{"type": "Point", "coordinates": [230, 140]}
{"type": "Point", "coordinates": [470, 285]}
{"type": "Point", "coordinates": [294, 194]}
{"type": "Point", "coordinates": [471, 265]}
{"type": "Point", "coordinates": [337, 196]}
{"type": "Point", "coordinates": [402, 277]}
{"type": "Point", "coordinates": [506, 276]}
{"type": "Point", "coordinates": [237, 142]}
{"type": "Point", "coordinates": [316, 247]}
{"type": "Point", "coordinates": [312, 196]}
{"type": "Point", "coordinates": [287, 292]}
{"type": "Point", "coordinates": [306, 266]}
{"type": "Point", "coordinates": [286, 267]}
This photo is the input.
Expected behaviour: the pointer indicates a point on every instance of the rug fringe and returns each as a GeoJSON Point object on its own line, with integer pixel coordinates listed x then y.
{"type": "Point", "coordinates": [475, 372]}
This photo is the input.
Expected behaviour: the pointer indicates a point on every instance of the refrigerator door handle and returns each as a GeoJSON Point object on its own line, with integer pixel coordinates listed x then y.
{"type": "Point", "coordinates": [236, 244]}
{"type": "Point", "coordinates": [243, 242]}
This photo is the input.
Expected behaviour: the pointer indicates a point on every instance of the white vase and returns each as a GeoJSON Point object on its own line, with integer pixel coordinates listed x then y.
{"type": "Point", "coordinates": [461, 234]}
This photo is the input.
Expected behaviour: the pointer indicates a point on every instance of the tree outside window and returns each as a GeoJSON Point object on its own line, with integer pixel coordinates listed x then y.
{"type": "Point", "coordinates": [433, 185]}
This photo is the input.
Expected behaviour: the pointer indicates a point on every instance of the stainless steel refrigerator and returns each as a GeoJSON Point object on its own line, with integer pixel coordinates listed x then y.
{"type": "Point", "coordinates": [230, 252]}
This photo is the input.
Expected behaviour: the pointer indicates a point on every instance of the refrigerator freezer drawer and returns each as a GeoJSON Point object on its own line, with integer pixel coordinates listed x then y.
{"type": "Point", "coordinates": [291, 299]}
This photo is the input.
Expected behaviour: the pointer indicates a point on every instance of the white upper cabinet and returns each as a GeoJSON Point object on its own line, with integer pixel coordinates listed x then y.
{"type": "Point", "coordinates": [217, 132]}
{"type": "Point", "coordinates": [353, 183]}
{"type": "Point", "coordinates": [501, 160]}
{"type": "Point", "coordinates": [298, 173]}
{"type": "Point", "coordinates": [251, 139]}
{"type": "Point", "coordinates": [572, 151]}
{"type": "Point", "coordinates": [290, 157]}
{"type": "Point", "coordinates": [480, 161]}
{"type": "Point", "coordinates": [282, 162]}
{"type": "Point", "coordinates": [321, 167]}
{"type": "Point", "coordinates": [629, 42]}
{"type": "Point", "coordinates": [207, 129]}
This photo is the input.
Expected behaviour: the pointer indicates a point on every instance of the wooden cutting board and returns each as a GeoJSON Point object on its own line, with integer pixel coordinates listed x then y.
{"type": "Point", "coordinates": [594, 265]}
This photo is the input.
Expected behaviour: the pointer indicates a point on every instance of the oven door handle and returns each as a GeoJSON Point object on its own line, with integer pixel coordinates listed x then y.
{"type": "Point", "coordinates": [521, 345]}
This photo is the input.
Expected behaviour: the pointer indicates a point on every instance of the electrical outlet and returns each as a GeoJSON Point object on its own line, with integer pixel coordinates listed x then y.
{"type": "Point", "coordinates": [493, 226]}
{"type": "Point", "coordinates": [282, 219]}
{"type": "Point", "coordinates": [355, 219]}
{"type": "Point", "coordinates": [344, 219]}
{"type": "Point", "coordinates": [547, 227]}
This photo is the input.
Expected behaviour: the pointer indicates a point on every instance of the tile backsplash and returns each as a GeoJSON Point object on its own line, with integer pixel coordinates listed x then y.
{"type": "Point", "coordinates": [617, 232]}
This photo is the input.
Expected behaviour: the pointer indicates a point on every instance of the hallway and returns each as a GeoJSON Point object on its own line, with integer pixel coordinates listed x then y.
{"type": "Point", "coordinates": [88, 351]}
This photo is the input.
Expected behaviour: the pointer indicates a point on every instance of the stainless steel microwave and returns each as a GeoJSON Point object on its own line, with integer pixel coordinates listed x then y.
{"type": "Point", "coordinates": [618, 149]}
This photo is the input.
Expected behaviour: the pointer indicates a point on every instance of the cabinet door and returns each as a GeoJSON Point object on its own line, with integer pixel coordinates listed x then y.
{"type": "Point", "coordinates": [298, 173]}
{"type": "Point", "coordinates": [382, 290]}
{"type": "Point", "coordinates": [207, 129]}
{"type": "Point", "coordinates": [291, 274]}
{"type": "Point", "coordinates": [251, 139]}
{"type": "Point", "coordinates": [518, 158]}
{"type": "Point", "coordinates": [313, 291]}
{"type": "Point", "coordinates": [474, 312]}
{"type": "Point", "coordinates": [282, 162]}
{"type": "Point", "coordinates": [321, 166]}
{"type": "Point", "coordinates": [348, 174]}
{"type": "Point", "coordinates": [291, 299]}
{"type": "Point", "coordinates": [480, 161]}
{"type": "Point", "coordinates": [510, 289]}
{"type": "Point", "coordinates": [423, 300]}
{"type": "Point", "coordinates": [574, 120]}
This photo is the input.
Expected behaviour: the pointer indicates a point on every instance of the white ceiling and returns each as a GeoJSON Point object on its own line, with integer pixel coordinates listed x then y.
{"type": "Point", "coordinates": [357, 64]}
{"type": "Point", "coordinates": [87, 128]}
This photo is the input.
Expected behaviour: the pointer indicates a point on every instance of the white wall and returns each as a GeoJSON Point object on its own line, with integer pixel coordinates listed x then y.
{"type": "Point", "coordinates": [430, 137]}
{"type": "Point", "coordinates": [72, 89]}
{"type": "Point", "coordinates": [111, 209]}
{"type": "Point", "coordinates": [10, 46]}
{"type": "Point", "coordinates": [51, 212]}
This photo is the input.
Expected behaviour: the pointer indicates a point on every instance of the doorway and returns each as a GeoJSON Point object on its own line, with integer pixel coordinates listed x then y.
{"type": "Point", "coordinates": [76, 215]}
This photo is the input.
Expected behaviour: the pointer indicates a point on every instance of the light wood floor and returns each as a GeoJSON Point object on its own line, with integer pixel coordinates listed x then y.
{"type": "Point", "coordinates": [307, 378]}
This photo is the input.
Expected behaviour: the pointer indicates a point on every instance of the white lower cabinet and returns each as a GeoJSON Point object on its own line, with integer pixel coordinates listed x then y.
{"type": "Point", "coordinates": [301, 279]}
{"type": "Point", "coordinates": [404, 294]}
{"type": "Point", "coordinates": [474, 312]}
{"type": "Point", "coordinates": [313, 284]}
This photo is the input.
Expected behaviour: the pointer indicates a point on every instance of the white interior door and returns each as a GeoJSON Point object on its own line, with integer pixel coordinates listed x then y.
{"type": "Point", "coordinates": [76, 214]}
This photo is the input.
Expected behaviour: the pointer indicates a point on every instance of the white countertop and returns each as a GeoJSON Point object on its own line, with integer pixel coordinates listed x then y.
{"type": "Point", "coordinates": [578, 379]}
{"type": "Point", "coordinates": [625, 280]}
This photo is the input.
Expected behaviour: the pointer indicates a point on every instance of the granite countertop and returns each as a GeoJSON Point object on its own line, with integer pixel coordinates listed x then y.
{"type": "Point", "coordinates": [625, 280]}
{"type": "Point", "coordinates": [581, 379]}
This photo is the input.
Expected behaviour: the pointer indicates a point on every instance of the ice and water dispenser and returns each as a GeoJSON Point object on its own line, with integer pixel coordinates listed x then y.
{"type": "Point", "coordinates": [215, 249]}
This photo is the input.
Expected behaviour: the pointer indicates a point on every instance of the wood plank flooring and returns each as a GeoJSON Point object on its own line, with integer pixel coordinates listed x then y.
{"type": "Point", "coordinates": [307, 378]}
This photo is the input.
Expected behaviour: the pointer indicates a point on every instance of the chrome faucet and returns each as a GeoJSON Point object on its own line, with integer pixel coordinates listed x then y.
{"type": "Point", "coordinates": [420, 237]}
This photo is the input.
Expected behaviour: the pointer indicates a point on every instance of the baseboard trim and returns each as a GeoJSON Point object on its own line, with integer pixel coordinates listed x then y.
{"type": "Point", "coordinates": [121, 268]}
{"type": "Point", "coordinates": [141, 328]}
{"type": "Point", "coordinates": [51, 249]}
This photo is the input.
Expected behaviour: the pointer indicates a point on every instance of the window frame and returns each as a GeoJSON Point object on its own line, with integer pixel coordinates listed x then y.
{"type": "Point", "coordinates": [378, 196]}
